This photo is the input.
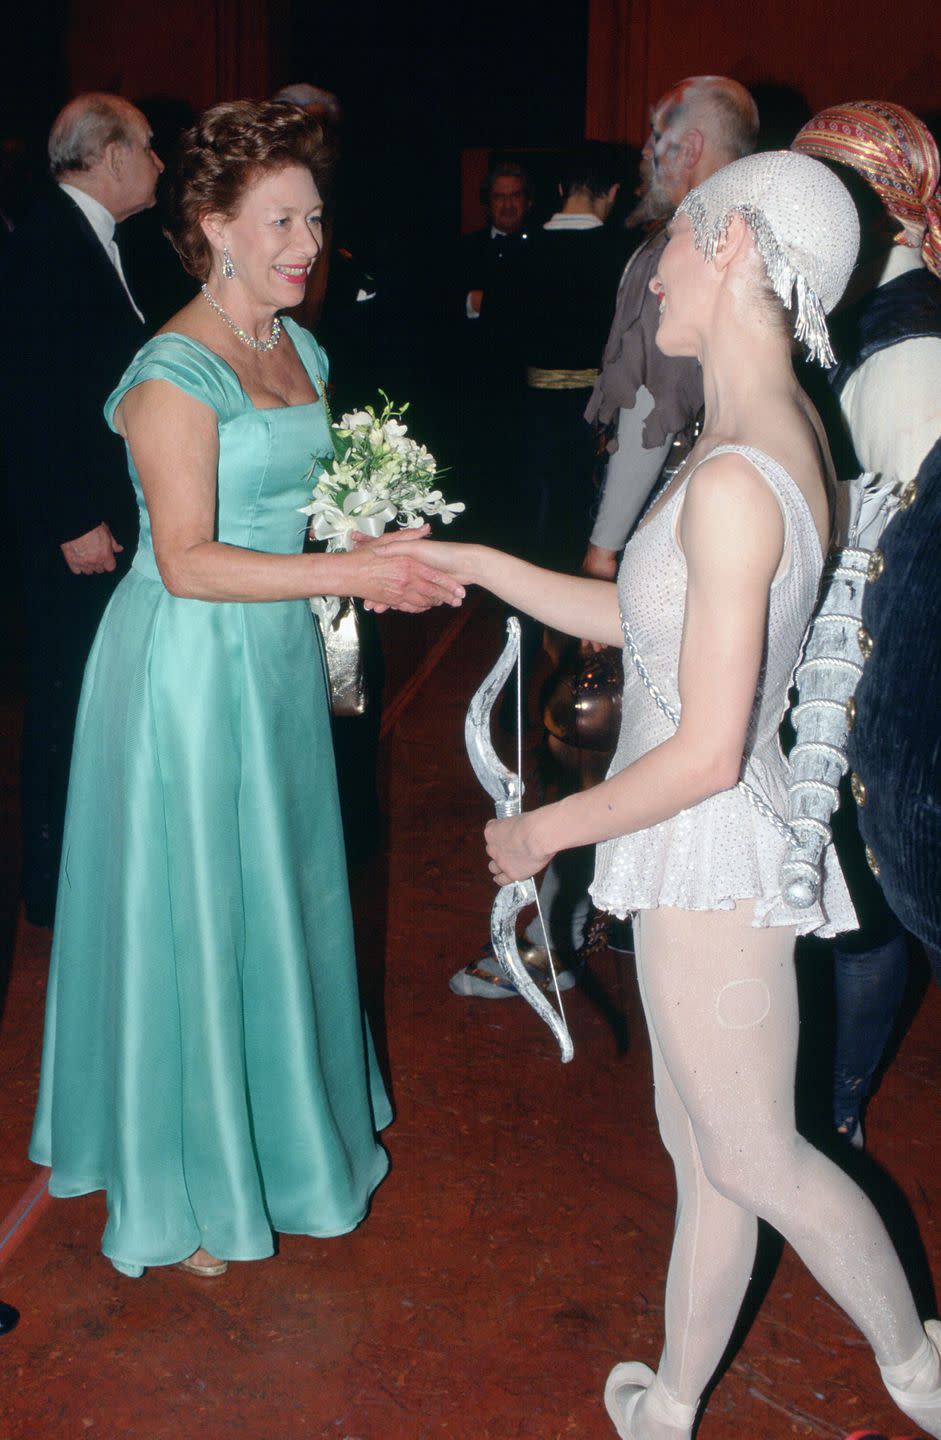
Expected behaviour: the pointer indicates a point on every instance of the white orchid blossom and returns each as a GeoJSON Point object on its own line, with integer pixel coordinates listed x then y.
{"type": "Point", "coordinates": [359, 420]}
{"type": "Point", "coordinates": [395, 436]}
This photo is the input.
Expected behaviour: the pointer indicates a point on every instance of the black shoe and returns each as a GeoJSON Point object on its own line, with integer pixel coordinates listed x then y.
{"type": "Point", "coordinates": [8, 1318]}
{"type": "Point", "coordinates": [621, 937]}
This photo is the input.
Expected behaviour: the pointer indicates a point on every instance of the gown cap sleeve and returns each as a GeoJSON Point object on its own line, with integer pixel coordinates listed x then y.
{"type": "Point", "coordinates": [186, 364]}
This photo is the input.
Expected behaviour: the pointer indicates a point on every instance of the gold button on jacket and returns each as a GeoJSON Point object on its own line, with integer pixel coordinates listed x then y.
{"type": "Point", "coordinates": [909, 495]}
{"type": "Point", "coordinates": [859, 789]}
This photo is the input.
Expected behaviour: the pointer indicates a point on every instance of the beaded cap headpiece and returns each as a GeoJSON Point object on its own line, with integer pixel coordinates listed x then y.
{"type": "Point", "coordinates": [805, 227]}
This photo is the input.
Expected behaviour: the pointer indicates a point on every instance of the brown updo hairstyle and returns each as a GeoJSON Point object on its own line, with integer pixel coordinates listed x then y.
{"type": "Point", "coordinates": [230, 146]}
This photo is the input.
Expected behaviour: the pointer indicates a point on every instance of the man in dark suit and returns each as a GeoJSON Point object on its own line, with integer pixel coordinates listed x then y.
{"type": "Point", "coordinates": [486, 253]}
{"type": "Point", "coordinates": [69, 326]}
{"type": "Point", "coordinates": [492, 262]}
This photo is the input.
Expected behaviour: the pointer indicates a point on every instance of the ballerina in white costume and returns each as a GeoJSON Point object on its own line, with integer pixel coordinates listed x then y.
{"type": "Point", "coordinates": [714, 595]}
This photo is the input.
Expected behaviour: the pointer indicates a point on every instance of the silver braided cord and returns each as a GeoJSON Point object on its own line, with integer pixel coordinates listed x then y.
{"type": "Point", "coordinates": [754, 798]}
{"type": "Point", "coordinates": [817, 704]}
{"type": "Point", "coordinates": [829, 663]}
{"type": "Point", "coordinates": [815, 827]}
{"type": "Point", "coordinates": [818, 786]}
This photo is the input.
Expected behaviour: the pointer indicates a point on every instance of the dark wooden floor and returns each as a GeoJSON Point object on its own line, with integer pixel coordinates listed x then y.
{"type": "Point", "coordinates": [518, 1247]}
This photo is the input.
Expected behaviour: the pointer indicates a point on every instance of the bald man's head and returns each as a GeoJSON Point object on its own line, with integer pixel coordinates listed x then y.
{"type": "Point", "coordinates": [101, 144]}
{"type": "Point", "coordinates": [698, 126]}
{"type": "Point", "coordinates": [724, 111]}
{"type": "Point", "coordinates": [86, 126]}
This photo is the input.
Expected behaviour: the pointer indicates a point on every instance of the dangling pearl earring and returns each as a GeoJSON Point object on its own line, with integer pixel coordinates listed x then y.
{"type": "Point", "coordinates": [228, 269]}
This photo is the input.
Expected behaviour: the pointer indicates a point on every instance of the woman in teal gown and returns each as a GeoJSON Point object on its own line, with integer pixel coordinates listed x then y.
{"type": "Point", "coordinates": [206, 1060]}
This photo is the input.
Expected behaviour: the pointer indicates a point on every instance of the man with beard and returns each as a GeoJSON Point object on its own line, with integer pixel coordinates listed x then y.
{"type": "Point", "coordinates": [648, 398]}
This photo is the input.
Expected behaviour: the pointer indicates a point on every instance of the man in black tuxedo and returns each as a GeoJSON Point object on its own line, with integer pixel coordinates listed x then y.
{"type": "Point", "coordinates": [492, 263]}
{"type": "Point", "coordinates": [69, 328]}
{"type": "Point", "coordinates": [487, 253]}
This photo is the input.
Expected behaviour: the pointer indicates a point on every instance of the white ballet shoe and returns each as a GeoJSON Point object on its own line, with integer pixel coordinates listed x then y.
{"type": "Point", "coordinates": [623, 1388]}
{"type": "Point", "coordinates": [925, 1408]}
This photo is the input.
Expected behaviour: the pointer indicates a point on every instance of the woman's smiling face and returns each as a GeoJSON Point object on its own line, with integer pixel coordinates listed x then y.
{"type": "Point", "coordinates": [275, 237]}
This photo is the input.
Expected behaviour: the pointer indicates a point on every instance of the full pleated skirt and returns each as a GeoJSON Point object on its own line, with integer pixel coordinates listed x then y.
{"type": "Point", "coordinates": [206, 1060]}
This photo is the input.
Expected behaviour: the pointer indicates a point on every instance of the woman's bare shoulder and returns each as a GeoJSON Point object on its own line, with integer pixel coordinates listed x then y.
{"type": "Point", "coordinates": [730, 513]}
{"type": "Point", "coordinates": [728, 476]}
{"type": "Point", "coordinates": [186, 321]}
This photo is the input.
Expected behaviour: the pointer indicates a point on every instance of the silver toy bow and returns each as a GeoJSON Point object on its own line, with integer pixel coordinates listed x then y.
{"type": "Point", "coordinates": [506, 791]}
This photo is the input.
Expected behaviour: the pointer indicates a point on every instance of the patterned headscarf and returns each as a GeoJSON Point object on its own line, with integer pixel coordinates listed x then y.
{"type": "Point", "coordinates": [895, 154]}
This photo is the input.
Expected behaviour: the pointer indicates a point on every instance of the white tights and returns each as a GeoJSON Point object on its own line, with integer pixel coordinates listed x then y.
{"type": "Point", "coordinates": [720, 998]}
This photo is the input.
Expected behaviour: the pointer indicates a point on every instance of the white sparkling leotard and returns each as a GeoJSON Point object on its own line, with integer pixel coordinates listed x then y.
{"type": "Point", "coordinates": [723, 849]}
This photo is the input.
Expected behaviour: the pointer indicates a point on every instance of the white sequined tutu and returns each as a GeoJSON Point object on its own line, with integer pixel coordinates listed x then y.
{"type": "Point", "coordinates": [723, 850]}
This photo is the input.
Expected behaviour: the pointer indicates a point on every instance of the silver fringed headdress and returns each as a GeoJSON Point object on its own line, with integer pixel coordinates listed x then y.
{"type": "Point", "coordinates": [805, 227]}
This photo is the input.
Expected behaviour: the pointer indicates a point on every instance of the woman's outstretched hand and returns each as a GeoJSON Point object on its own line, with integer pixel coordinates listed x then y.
{"type": "Point", "coordinates": [513, 853]}
{"type": "Point", "coordinates": [397, 579]}
{"type": "Point", "coordinates": [448, 558]}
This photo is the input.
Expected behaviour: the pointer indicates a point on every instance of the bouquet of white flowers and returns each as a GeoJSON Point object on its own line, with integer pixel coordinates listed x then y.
{"type": "Point", "coordinates": [379, 474]}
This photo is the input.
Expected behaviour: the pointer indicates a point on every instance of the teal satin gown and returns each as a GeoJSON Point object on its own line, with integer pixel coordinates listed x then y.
{"type": "Point", "coordinates": [206, 1060]}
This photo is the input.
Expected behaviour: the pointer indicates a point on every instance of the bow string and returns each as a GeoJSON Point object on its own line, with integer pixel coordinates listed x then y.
{"type": "Point", "coordinates": [506, 790]}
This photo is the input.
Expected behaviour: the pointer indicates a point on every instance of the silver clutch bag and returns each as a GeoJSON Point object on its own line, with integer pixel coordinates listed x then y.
{"type": "Point", "coordinates": [342, 643]}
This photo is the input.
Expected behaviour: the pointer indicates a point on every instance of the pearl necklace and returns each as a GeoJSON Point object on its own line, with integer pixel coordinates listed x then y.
{"type": "Point", "coordinates": [243, 335]}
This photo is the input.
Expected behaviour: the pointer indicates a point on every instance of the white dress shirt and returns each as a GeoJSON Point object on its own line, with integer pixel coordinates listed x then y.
{"type": "Point", "coordinates": [102, 222]}
{"type": "Point", "coordinates": [573, 220]}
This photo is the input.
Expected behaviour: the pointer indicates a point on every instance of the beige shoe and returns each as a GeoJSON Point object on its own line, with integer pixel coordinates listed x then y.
{"type": "Point", "coordinates": [205, 1269]}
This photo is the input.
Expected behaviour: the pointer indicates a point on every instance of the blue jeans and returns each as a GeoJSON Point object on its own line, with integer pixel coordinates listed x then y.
{"type": "Point", "coordinates": [868, 990]}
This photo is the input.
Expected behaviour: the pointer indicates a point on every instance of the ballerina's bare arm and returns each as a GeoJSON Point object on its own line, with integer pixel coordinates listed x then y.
{"type": "Point", "coordinates": [174, 443]}
{"type": "Point", "coordinates": [732, 534]}
{"type": "Point", "coordinates": [570, 603]}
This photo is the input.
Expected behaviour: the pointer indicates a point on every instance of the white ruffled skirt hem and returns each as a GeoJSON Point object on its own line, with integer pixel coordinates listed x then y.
{"type": "Point", "coordinates": [710, 857]}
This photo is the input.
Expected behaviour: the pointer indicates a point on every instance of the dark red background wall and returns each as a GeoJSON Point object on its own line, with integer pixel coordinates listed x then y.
{"type": "Point", "coordinates": [425, 82]}
{"type": "Point", "coordinates": [826, 50]}
{"type": "Point", "coordinates": [495, 55]}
